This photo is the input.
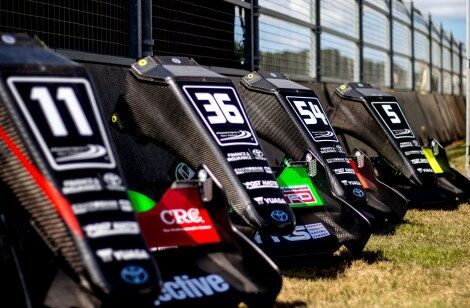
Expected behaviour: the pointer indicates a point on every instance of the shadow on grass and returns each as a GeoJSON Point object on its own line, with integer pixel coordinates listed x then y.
{"type": "Point", "coordinates": [391, 228]}
{"type": "Point", "coordinates": [326, 267]}
{"type": "Point", "coordinates": [292, 304]}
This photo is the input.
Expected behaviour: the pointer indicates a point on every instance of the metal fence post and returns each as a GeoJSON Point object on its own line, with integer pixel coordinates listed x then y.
{"type": "Point", "coordinates": [441, 44]}
{"type": "Point", "coordinates": [390, 33]}
{"type": "Point", "coordinates": [147, 40]}
{"type": "Point", "coordinates": [248, 39]}
{"type": "Point", "coordinates": [360, 4]}
{"type": "Point", "coordinates": [412, 45]}
{"type": "Point", "coordinates": [430, 52]}
{"type": "Point", "coordinates": [452, 63]}
{"type": "Point", "coordinates": [461, 70]}
{"type": "Point", "coordinates": [135, 29]}
{"type": "Point", "coordinates": [255, 34]}
{"type": "Point", "coordinates": [318, 31]}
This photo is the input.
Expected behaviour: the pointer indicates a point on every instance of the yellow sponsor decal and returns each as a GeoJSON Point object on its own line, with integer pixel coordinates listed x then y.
{"type": "Point", "coordinates": [432, 160]}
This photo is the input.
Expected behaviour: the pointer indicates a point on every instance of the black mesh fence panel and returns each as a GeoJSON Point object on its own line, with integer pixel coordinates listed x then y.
{"type": "Point", "coordinates": [211, 32]}
{"type": "Point", "coordinates": [93, 26]}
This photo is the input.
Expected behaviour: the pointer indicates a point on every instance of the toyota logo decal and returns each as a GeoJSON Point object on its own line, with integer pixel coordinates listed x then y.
{"type": "Point", "coordinates": [279, 215]}
{"type": "Point", "coordinates": [358, 192]}
{"type": "Point", "coordinates": [134, 274]}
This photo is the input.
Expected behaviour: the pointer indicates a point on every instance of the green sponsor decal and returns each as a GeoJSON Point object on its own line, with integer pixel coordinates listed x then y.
{"type": "Point", "coordinates": [298, 188]}
{"type": "Point", "coordinates": [140, 202]}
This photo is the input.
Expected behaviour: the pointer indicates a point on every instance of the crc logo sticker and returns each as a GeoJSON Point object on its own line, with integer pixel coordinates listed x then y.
{"type": "Point", "coordinates": [134, 274]}
{"type": "Point", "coordinates": [300, 194]}
{"type": "Point", "coordinates": [393, 118]}
{"type": "Point", "coordinates": [180, 219]}
{"type": "Point", "coordinates": [223, 114]}
{"type": "Point", "coordinates": [183, 287]}
{"type": "Point", "coordinates": [64, 118]}
{"type": "Point", "coordinates": [181, 216]}
{"type": "Point", "coordinates": [313, 117]}
{"type": "Point", "coordinates": [279, 215]}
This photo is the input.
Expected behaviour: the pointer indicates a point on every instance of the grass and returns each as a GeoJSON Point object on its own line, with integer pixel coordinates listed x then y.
{"type": "Point", "coordinates": [422, 262]}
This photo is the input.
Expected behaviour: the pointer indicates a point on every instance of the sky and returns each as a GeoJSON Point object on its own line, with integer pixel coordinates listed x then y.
{"type": "Point", "coordinates": [451, 13]}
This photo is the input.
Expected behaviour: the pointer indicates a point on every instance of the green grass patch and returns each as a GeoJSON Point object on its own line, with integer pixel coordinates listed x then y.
{"type": "Point", "coordinates": [422, 262]}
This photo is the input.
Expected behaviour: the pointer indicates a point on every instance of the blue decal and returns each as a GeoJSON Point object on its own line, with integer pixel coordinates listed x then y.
{"type": "Point", "coordinates": [358, 192]}
{"type": "Point", "coordinates": [279, 215]}
{"type": "Point", "coordinates": [134, 274]}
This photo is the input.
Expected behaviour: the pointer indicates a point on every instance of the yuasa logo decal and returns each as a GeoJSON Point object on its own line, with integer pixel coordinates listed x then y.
{"type": "Point", "coordinates": [222, 112]}
{"type": "Point", "coordinates": [64, 118]}
{"type": "Point", "coordinates": [183, 287]}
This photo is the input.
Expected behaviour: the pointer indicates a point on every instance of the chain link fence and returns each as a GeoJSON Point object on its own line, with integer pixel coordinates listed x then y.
{"type": "Point", "coordinates": [388, 43]}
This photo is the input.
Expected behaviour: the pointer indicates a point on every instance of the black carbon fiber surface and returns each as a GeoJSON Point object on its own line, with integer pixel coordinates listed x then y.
{"type": "Point", "coordinates": [161, 113]}
{"type": "Point", "coordinates": [30, 196]}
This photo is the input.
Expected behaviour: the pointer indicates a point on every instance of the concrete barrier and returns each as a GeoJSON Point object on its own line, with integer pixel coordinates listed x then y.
{"type": "Point", "coordinates": [457, 116]}
{"type": "Point", "coordinates": [447, 116]}
{"type": "Point", "coordinates": [434, 117]}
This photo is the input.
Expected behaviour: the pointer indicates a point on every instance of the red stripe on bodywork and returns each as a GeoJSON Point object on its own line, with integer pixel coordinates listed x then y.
{"type": "Point", "coordinates": [358, 173]}
{"type": "Point", "coordinates": [61, 205]}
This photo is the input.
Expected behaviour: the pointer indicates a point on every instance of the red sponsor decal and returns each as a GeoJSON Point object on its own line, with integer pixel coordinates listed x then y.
{"type": "Point", "coordinates": [358, 173]}
{"type": "Point", "coordinates": [298, 194]}
{"type": "Point", "coordinates": [179, 219]}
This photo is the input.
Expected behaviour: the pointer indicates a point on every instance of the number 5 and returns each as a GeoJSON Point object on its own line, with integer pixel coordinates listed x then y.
{"type": "Point", "coordinates": [391, 114]}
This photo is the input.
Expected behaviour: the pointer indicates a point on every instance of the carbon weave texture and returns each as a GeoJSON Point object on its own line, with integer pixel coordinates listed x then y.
{"type": "Point", "coordinates": [155, 113]}
{"type": "Point", "coordinates": [353, 119]}
{"type": "Point", "coordinates": [43, 214]}
{"type": "Point", "coordinates": [272, 122]}
{"type": "Point", "coordinates": [340, 233]}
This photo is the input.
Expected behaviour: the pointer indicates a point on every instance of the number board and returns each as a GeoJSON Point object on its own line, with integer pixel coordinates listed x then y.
{"type": "Point", "coordinates": [61, 117]}
{"type": "Point", "coordinates": [220, 109]}
{"type": "Point", "coordinates": [393, 118]}
{"type": "Point", "coordinates": [65, 120]}
{"type": "Point", "coordinates": [311, 114]}
{"type": "Point", "coordinates": [312, 117]}
{"type": "Point", "coordinates": [222, 112]}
